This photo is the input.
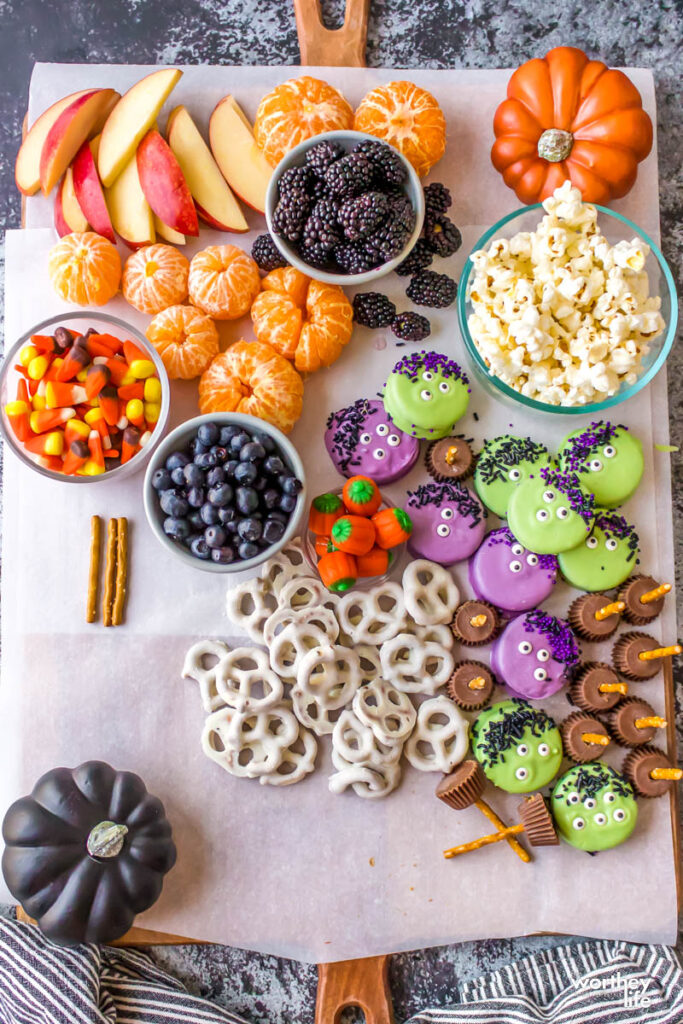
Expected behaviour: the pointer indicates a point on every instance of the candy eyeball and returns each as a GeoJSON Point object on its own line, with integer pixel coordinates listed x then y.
{"type": "Point", "coordinates": [589, 803]}
{"type": "Point", "coordinates": [365, 438]}
{"type": "Point", "coordinates": [521, 774]}
{"type": "Point", "coordinates": [578, 824]}
{"type": "Point", "coordinates": [426, 395]}
{"type": "Point", "coordinates": [542, 515]}
{"type": "Point", "coordinates": [525, 647]}
{"type": "Point", "coordinates": [517, 549]}
{"type": "Point", "coordinates": [600, 819]}
{"type": "Point", "coordinates": [540, 674]}
{"type": "Point", "coordinates": [522, 750]}
{"type": "Point", "coordinates": [515, 566]}
{"type": "Point", "coordinates": [592, 543]}
{"type": "Point", "coordinates": [611, 544]}
{"type": "Point", "coordinates": [427, 375]}
{"type": "Point", "coordinates": [532, 559]}
{"type": "Point", "coordinates": [443, 530]}
{"type": "Point", "coordinates": [549, 496]}
{"type": "Point", "coordinates": [379, 454]}
{"type": "Point", "coordinates": [393, 440]}
{"type": "Point", "coordinates": [382, 429]}
{"type": "Point", "coordinates": [514, 475]}
{"type": "Point", "coordinates": [562, 512]}
{"type": "Point", "coordinates": [573, 798]}
{"type": "Point", "coordinates": [619, 814]}
{"type": "Point", "coordinates": [595, 465]}
{"type": "Point", "coordinates": [444, 387]}
{"type": "Point", "coordinates": [543, 749]}
{"type": "Point", "coordinates": [609, 451]}
{"type": "Point", "coordinates": [542, 654]}
{"type": "Point", "coordinates": [609, 798]}
{"type": "Point", "coordinates": [447, 513]}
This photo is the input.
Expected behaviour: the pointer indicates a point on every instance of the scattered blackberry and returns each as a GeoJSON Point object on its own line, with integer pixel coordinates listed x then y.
{"type": "Point", "coordinates": [411, 327]}
{"type": "Point", "coordinates": [319, 157]}
{"type": "Point", "coordinates": [349, 176]}
{"type": "Point", "coordinates": [267, 255]}
{"type": "Point", "coordinates": [372, 309]}
{"type": "Point", "coordinates": [321, 229]}
{"type": "Point", "coordinates": [353, 259]}
{"type": "Point", "coordinates": [431, 289]}
{"type": "Point", "coordinates": [294, 178]}
{"type": "Point", "coordinates": [386, 163]}
{"type": "Point", "coordinates": [437, 199]}
{"type": "Point", "coordinates": [358, 216]}
{"type": "Point", "coordinates": [418, 259]}
{"type": "Point", "coordinates": [442, 236]}
{"type": "Point", "coordinates": [290, 215]}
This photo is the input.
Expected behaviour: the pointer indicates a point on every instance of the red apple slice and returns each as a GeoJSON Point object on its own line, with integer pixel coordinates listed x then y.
{"type": "Point", "coordinates": [27, 166]}
{"type": "Point", "coordinates": [76, 123]}
{"type": "Point", "coordinates": [164, 186]}
{"type": "Point", "coordinates": [89, 192]}
{"type": "Point", "coordinates": [213, 198]}
{"type": "Point", "coordinates": [167, 233]}
{"type": "Point", "coordinates": [68, 213]}
{"type": "Point", "coordinates": [131, 119]}
{"type": "Point", "coordinates": [130, 212]}
{"type": "Point", "coordinates": [241, 162]}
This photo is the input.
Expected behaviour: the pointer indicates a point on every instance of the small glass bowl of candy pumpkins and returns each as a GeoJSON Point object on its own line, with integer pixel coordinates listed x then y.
{"type": "Point", "coordinates": [225, 491]}
{"type": "Point", "coordinates": [84, 398]}
{"type": "Point", "coordinates": [354, 536]}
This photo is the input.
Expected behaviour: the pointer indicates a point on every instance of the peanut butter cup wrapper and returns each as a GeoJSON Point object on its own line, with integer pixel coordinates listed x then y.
{"type": "Point", "coordinates": [538, 821]}
{"type": "Point", "coordinates": [462, 694]}
{"type": "Point", "coordinates": [622, 723]}
{"type": "Point", "coordinates": [451, 458]}
{"type": "Point", "coordinates": [462, 787]}
{"type": "Point", "coordinates": [475, 635]}
{"type": "Point", "coordinates": [637, 766]}
{"type": "Point", "coordinates": [625, 656]}
{"type": "Point", "coordinates": [632, 590]}
{"type": "Point", "coordinates": [582, 619]}
{"type": "Point", "coordinates": [573, 729]}
{"type": "Point", "coordinates": [585, 690]}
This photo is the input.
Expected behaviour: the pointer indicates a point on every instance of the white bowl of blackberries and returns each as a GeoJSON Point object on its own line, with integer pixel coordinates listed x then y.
{"type": "Point", "coordinates": [224, 492]}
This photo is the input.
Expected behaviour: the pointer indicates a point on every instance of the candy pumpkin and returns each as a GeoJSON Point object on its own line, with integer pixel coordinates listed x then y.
{"type": "Point", "coordinates": [567, 116]}
{"type": "Point", "coordinates": [86, 852]}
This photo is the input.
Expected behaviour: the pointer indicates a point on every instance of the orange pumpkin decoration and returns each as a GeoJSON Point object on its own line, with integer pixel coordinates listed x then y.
{"type": "Point", "coordinates": [569, 117]}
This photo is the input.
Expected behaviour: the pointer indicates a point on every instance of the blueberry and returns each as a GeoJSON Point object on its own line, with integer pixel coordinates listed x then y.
{"type": "Point", "coordinates": [177, 460]}
{"type": "Point", "coordinates": [227, 433]}
{"type": "Point", "coordinates": [200, 460]}
{"type": "Point", "coordinates": [250, 528]}
{"type": "Point", "coordinates": [232, 526]}
{"type": "Point", "coordinates": [270, 498]}
{"type": "Point", "coordinates": [176, 527]}
{"type": "Point", "coordinates": [223, 555]}
{"type": "Point", "coordinates": [288, 502]}
{"type": "Point", "coordinates": [230, 467]}
{"type": "Point", "coordinates": [264, 439]}
{"type": "Point", "coordinates": [247, 549]}
{"type": "Point", "coordinates": [226, 515]}
{"type": "Point", "coordinates": [290, 484]}
{"type": "Point", "coordinates": [215, 536]}
{"type": "Point", "coordinates": [246, 500]}
{"type": "Point", "coordinates": [197, 448]}
{"type": "Point", "coordinates": [220, 453]}
{"type": "Point", "coordinates": [194, 475]}
{"type": "Point", "coordinates": [173, 504]}
{"type": "Point", "coordinates": [209, 433]}
{"type": "Point", "coordinates": [196, 497]}
{"type": "Point", "coordinates": [272, 530]}
{"type": "Point", "coordinates": [161, 480]}
{"type": "Point", "coordinates": [195, 520]}
{"type": "Point", "coordinates": [215, 476]}
{"type": "Point", "coordinates": [252, 452]}
{"type": "Point", "coordinates": [280, 517]}
{"type": "Point", "coordinates": [178, 476]}
{"type": "Point", "coordinates": [239, 441]}
{"type": "Point", "coordinates": [245, 472]}
{"type": "Point", "coordinates": [209, 514]}
{"type": "Point", "coordinates": [199, 547]}
{"type": "Point", "coordinates": [274, 464]}
{"type": "Point", "coordinates": [220, 495]}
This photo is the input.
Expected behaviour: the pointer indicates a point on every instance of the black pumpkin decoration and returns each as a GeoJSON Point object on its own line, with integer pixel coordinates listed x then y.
{"type": "Point", "coordinates": [86, 852]}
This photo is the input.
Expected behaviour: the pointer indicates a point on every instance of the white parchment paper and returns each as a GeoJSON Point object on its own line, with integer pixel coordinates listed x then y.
{"type": "Point", "coordinates": [297, 871]}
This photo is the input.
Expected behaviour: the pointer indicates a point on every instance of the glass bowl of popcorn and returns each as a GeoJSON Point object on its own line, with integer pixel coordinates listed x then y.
{"type": "Point", "coordinates": [566, 307]}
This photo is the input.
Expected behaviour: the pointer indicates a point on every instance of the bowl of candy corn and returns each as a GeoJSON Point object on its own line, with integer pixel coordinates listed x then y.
{"type": "Point", "coordinates": [84, 398]}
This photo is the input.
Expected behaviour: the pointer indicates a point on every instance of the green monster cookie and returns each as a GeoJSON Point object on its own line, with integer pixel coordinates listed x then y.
{"type": "Point", "coordinates": [503, 463]}
{"type": "Point", "coordinates": [549, 512]}
{"type": "Point", "coordinates": [606, 558]}
{"type": "Point", "coordinates": [518, 746]}
{"type": "Point", "coordinates": [607, 459]}
{"type": "Point", "coordinates": [594, 807]}
{"type": "Point", "coordinates": [425, 394]}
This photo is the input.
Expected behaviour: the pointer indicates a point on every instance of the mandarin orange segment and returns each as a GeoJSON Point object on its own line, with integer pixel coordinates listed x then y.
{"type": "Point", "coordinates": [409, 118]}
{"type": "Point", "coordinates": [297, 110]}
{"type": "Point", "coordinates": [224, 281]}
{"type": "Point", "coordinates": [329, 327]}
{"type": "Point", "coordinates": [252, 378]}
{"type": "Point", "coordinates": [185, 338]}
{"type": "Point", "coordinates": [85, 268]}
{"type": "Point", "coordinates": [287, 281]}
{"type": "Point", "coordinates": [154, 278]}
{"type": "Point", "coordinates": [277, 320]}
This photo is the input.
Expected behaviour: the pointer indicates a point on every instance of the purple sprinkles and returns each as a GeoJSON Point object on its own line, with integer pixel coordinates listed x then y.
{"type": "Point", "coordinates": [557, 632]}
{"type": "Point", "coordinates": [347, 425]}
{"type": "Point", "coordinates": [568, 484]}
{"type": "Point", "coordinates": [579, 449]}
{"type": "Point", "coordinates": [468, 506]}
{"type": "Point", "coordinates": [504, 534]}
{"type": "Point", "coordinates": [614, 525]}
{"type": "Point", "coordinates": [412, 365]}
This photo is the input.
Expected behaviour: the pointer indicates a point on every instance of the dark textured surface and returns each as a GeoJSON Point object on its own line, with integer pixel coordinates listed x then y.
{"type": "Point", "coordinates": [403, 33]}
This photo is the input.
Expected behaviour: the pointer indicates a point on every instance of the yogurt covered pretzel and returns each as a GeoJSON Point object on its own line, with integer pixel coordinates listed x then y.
{"type": "Point", "coordinates": [438, 634]}
{"type": "Point", "coordinates": [249, 606]}
{"type": "Point", "coordinates": [369, 783]}
{"type": "Point", "coordinates": [389, 713]}
{"type": "Point", "coordinates": [372, 769]}
{"type": "Point", "coordinates": [373, 616]}
{"type": "Point", "coordinates": [311, 615]}
{"type": "Point", "coordinates": [249, 745]}
{"type": "Point", "coordinates": [304, 592]}
{"type": "Point", "coordinates": [245, 680]}
{"type": "Point", "coordinates": [289, 647]}
{"type": "Point", "coordinates": [431, 595]}
{"type": "Point", "coordinates": [414, 666]}
{"type": "Point", "coordinates": [446, 742]}
{"type": "Point", "coordinates": [289, 563]}
{"type": "Point", "coordinates": [194, 667]}
{"type": "Point", "coordinates": [327, 680]}
{"type": "Point", "coordinates": [297, 761]}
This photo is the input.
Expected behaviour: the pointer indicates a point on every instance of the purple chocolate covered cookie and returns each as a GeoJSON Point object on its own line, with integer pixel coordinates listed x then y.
{"type": "Point", "coordinates": [362, 438]}
{"type": "Point", "coordinates": [534, 653]}
{"type": "Point", "coordinates": [448, 522]}
{"type": "Point", "coordinates": [508, 576]}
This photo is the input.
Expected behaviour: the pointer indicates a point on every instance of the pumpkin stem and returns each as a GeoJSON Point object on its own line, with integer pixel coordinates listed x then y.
{"type": "Point", "coordinates": [106, 839]}
{"type": "Point", "coordinates": [555, 145]}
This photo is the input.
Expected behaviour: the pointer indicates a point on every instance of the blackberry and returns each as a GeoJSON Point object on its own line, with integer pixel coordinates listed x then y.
{"type": "Point", "coordinates": [321, 229]}
{"type": "Point", "coordinates": [294, 179]}
{"type": "Point", "coordinates": [372, 309]}
{"type": "Point", "coordinates": [319, 157]}
{"type": "Point", "coordinates": [316, 254]}
{"type": "Point", "coordinates": [359, 216]}
{"type": "Point", "coordinates": [418, 259]}
{"type": "Point", "coordinates": [437, 199]}
{"type": "Point", "coordinates": [387, 166]}
{"type": "Point", "coordinates": [353, 259]}
{"type": "Point", "coordinates": [411, 327]}
{"type": "Point", "coordinates": [349, 176]}
{"type": "Point", "coordinates": [267, 255]}
{"type": "Point", "coordinates": [442, 236]}
{"type": "Point", "coordinates": [393, 232]}
{"type": "Point", "coordinates": [431, 289]}
{"type": "Point", "coordinates": [290, 215]}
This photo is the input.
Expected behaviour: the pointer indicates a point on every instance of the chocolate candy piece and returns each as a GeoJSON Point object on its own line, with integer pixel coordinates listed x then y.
{"type": "Point", "coordinates": [626, 656]}
{"type": "Point", "coordinates": [450, 458]}
{"type": "Point", "coordinates": [583, 621]}
{"type": "Point", "coordinates": [581, 737]}
{"type": "Point", "coordinates": [537, 821]}
{"type": "Point", "coordinates": [635, 612]}
{"type": "Point", "coordinates": [463, 787]}
{"type": "Point", "coordinates": [585, 690]}
{"type": "Point", "coordinates": [475, 623]}
{"type": "Point", "coordinates": [622, 722]}
{"type": "Point", "coordinates": [639, 766]}
{"type": "Point", "coordinates": [466, 696]}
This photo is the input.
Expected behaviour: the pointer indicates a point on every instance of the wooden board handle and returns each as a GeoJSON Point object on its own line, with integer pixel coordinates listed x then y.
{"type": "Point", "coordinates": [341, 47]}
{"type": "Point", "coordinates": [363, 983]}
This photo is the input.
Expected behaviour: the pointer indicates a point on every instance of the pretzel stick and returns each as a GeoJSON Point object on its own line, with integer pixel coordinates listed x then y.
{"type": "Point", "coordinates": [495, 820]}
{"type": "Point", "coordinates": [94, 570]}
{"type": "Point", "coordinates": [109, 572]}
{"type": "Point", "coordinates": [121, 572]}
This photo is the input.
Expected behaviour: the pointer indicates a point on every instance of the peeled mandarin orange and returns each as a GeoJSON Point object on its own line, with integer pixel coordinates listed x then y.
{"type": "Point", "coordinates": [253, 378]}
{"type": "Point", "coordinates": [154, 278]}
{"type": "Point", "coordinates": [409, 118]}
{"type": "Point", "coordinates": [185, 338]}
{"type": "Point", "coordinates": [306, 321]}
{"type": "Point", "coordinates": [85, 268]}
{"type": "Point", "coordinates": [296, 110]}
{"type": "Point", "coordinates": [223, 281]}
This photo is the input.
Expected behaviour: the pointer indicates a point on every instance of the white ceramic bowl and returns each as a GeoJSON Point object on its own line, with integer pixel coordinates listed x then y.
{"type": "Point", "coordinates": [178, 440]}
{"type": "Point", "coordinates": [295, 158]}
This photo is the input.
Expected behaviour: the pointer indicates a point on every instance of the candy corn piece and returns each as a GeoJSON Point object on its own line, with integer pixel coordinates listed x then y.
{"type": "Point", "coordinates": [76, 457]}
{"type": "Point", "coordinates": [96, 378]}
{"type": "Point", "coordinates": [96, 347]}
{"type": "Point", "coordinates": [22, 391]}
{"type": "Point", "coordinates": [54, 368]}
{"type": "Point", "coordinates": [95, 447]}
{"type": "Point", "coordinates": [27, 353]}
{"type": "Point", "coordinates": [51, 462]}
{"type": "Point", "coordinates": [76, 430]}
{"type": "Point", "coordinates": [112, 343]}
{"type": "Point", "coordinates": [128, 391]}
{"type": "Point", "coordinates": [152, 390]}
{"type": "Point", "coordinates": [50, 419]}
{"type": "Point", "coordinates": [44, 342]}
{"type": "Point", "coordinates": [91, 468]}
{"type": "Point", "coordinates": [133, 352]}
{"type": "Point", "coordinates": [75, 360]}
{"type": "Point", "coordinates": [135, 412]}
{"type": "Point", "coordinates": [18, 415]}
{"type": "Point", "coordinates": [38, 367]}
{"type": "Point", "coordinates": [58, 394]}
{"type": "Point", "coordinates": [118, 370]}
{"type": "Point", "coordinates": [130, 443]}
{"type": "Point", "coordinates": [96, 421]}
{"type": "Point", "coordinates": [109, 404]}
{"type": "Point", "coordinates": [152, 413]}
{"type": "Point", "coordinates": [46, 444]}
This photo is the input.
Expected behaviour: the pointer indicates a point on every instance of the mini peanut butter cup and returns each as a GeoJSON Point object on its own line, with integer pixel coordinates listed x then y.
{"type": "Point", "coordinates": [626, 656]}
{"type": "Point", "coordinates": [471, 685]}
{"type": "Point", "coordinates": [629, 723]}
{"type": "Point", "coordinates": [636, 612]}
{"type": "Point", "coordinates": [596, 687]}
{"type": "Point", "coordinates": [463, 787]}
{"type": "Point", "coordinates": [475, 623]}
{"type": "Point", "coordinates": [582, 617]}
{"type": "Point", "coordinates": [450, 458]}
{"type": "Point", "coordinates": [584, 737]}
{"type": "Point", "coordinates": [650, 772]}
{"type": "Point", "coordinates": [538, 821]}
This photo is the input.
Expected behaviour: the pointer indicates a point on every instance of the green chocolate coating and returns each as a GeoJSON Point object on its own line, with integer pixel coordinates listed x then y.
{"type": "Point", "coordinates": [610, 469]}
{"type": "Point", "coordinates": [541, 517]}
{"type": "Point", "coordinates": [503, 463]}
{"type": "Point", "coordinates": [603, 560]}
{"type": "Point", "coordinates": [518, 746]}
{"type": "Point", "coordinates": [427, 406]}
{"type": "Point", "coordinates": [594, 807]}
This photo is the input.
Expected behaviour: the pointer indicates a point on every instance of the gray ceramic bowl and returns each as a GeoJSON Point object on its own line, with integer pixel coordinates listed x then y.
{"type": "Point", "coordinates": [348, 140]}
{"type": "Point", "coordinates": [177, 440]}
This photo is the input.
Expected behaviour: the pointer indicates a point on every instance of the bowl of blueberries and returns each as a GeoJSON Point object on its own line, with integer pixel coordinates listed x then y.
{"type": "Point", "coordinates": [225, 491]}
